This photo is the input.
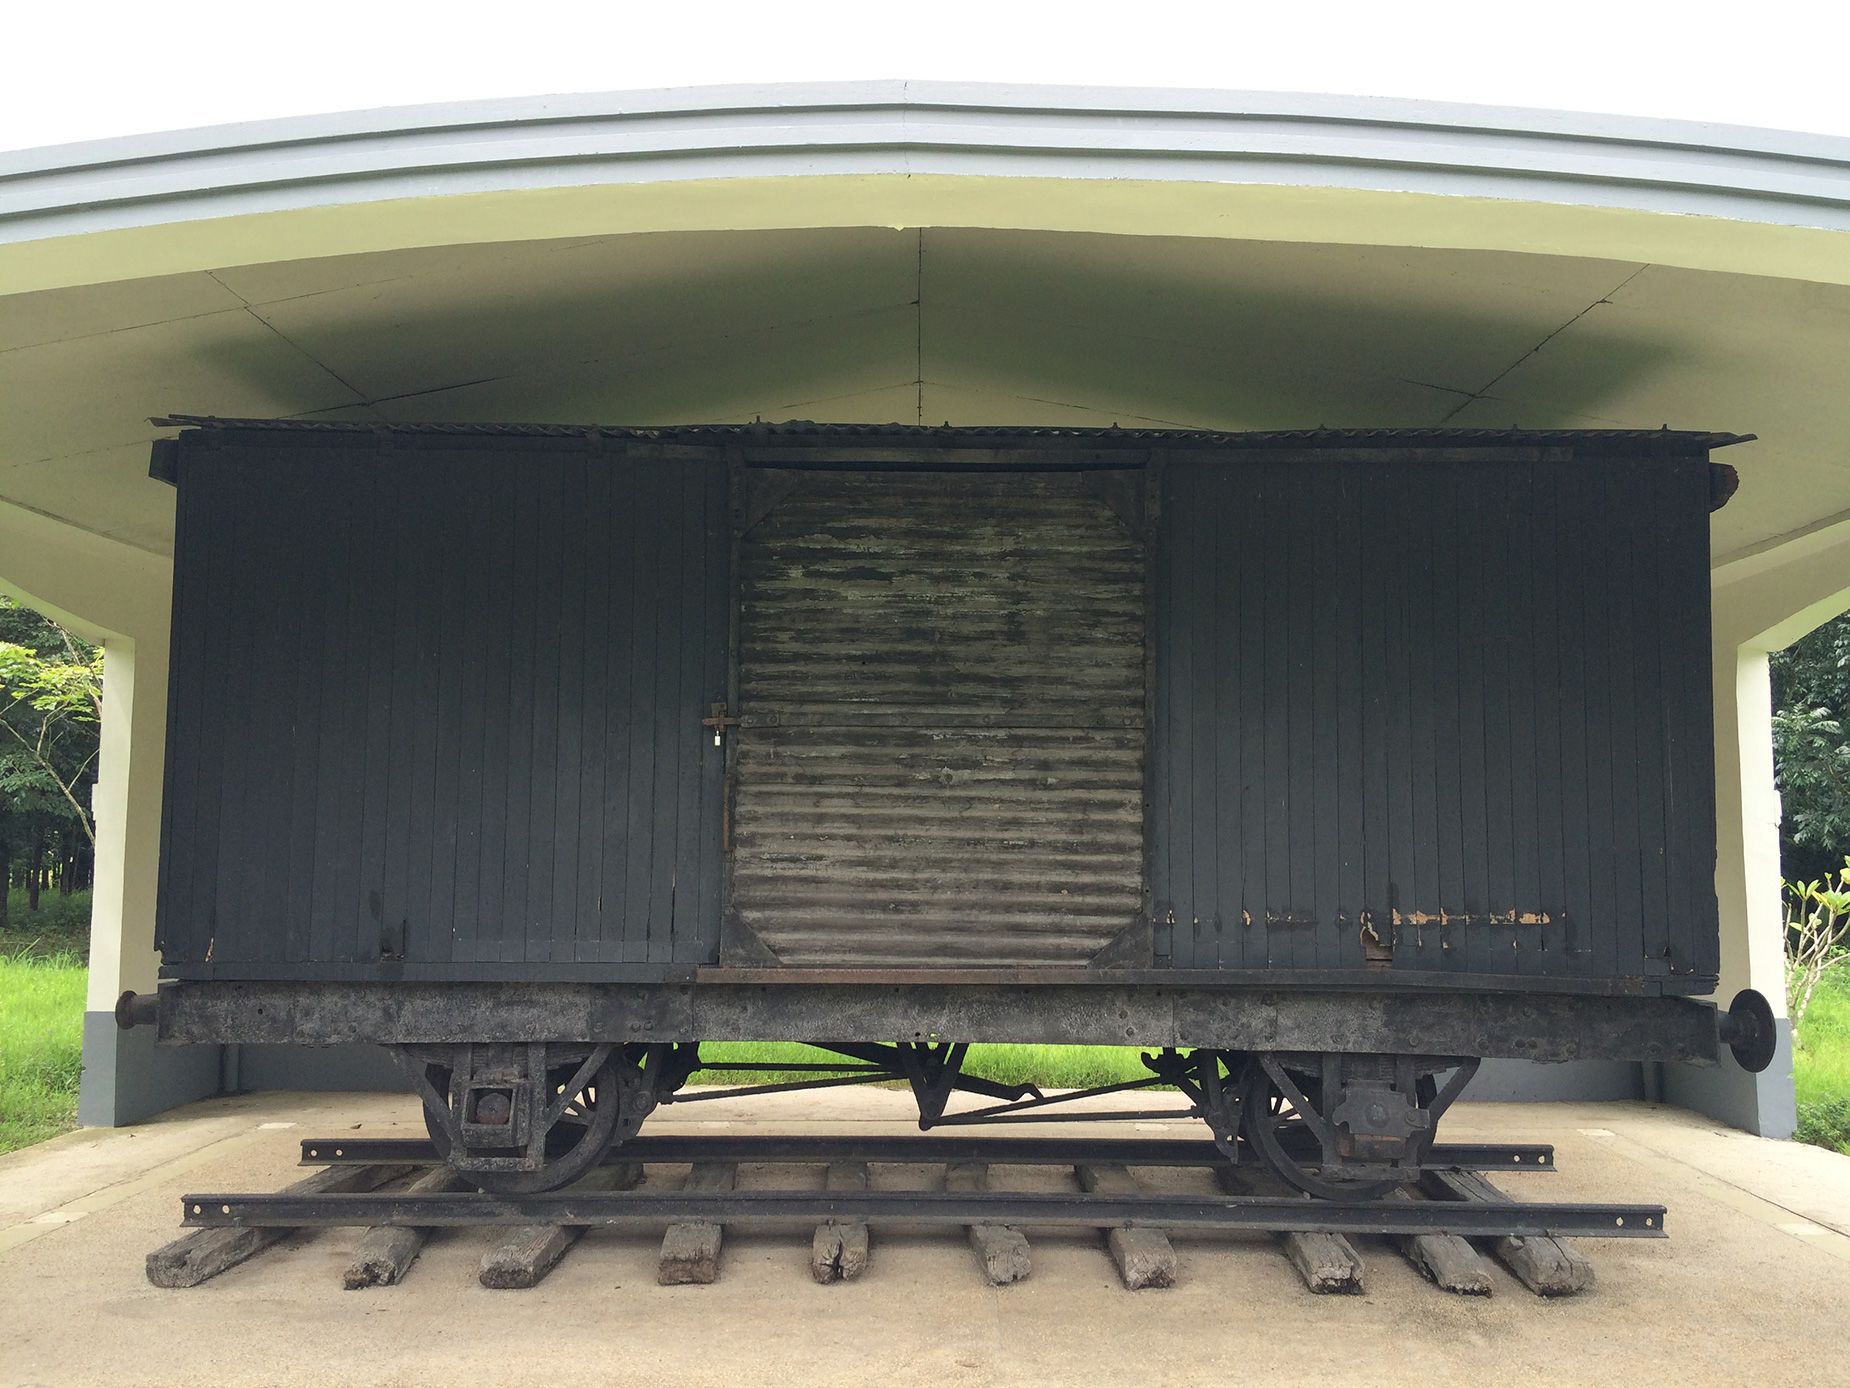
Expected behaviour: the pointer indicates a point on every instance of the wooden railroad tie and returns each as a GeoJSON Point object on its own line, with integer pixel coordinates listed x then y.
{"type": "Point", "coordinates": [385, 1254]}
{"type": "Point", "coordinates": [205, 1253]}
{"type": "Point", "coordinates": [839, 1250]}
{"type": "Point", "coordinates": [1144, 1257]}
{"type": "Point", "coordinates": [1001, 1251]}
{"type": "Point", "coordinates": [1547, 1267]}
{"type": "Point", "coordinates": [690, 1250]}
{"type": "Point", "coordinates": [1328, 1263]}
{"type": "Point", "coordinates": [1447, 1261]}
{"type": "Point", "coordinates": [527, 1253]}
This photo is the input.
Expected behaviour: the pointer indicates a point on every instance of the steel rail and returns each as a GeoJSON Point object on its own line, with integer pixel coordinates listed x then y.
{"type": "Point", "coordinates": [923, 1149]}
{"type": "Point", "coordinates": [759, 1208]}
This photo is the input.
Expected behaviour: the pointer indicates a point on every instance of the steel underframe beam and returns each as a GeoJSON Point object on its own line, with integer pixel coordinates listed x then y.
{"type": "Point", "coordinates": [1379, 1020]}
{"type": "Point", "coordinates": [760, 1208]}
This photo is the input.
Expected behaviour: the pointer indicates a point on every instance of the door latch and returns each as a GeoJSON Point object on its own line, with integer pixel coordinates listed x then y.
{"type": "Point", "coordinates": [719, 720]}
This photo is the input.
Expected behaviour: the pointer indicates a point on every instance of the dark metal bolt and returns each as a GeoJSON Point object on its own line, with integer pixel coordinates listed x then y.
{"type": "Point", "coordinates": [493, 1109]}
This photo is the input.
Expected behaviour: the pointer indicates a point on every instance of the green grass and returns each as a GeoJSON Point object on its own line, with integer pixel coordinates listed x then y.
{"type": "Point", "coordinates": [1051, 1067]}
{"type": "Point", "coordinates": [61, 925]}
{"type": "Point", "coordinates": [41, 1045]}
{"type": "Point", "coordinates": [42, 976]}
{"type": "Point", "coordinates": [1821, 1066]}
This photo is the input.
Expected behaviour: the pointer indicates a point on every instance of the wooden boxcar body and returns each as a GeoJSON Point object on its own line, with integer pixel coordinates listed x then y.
{"type": "Point", "coordinates": [1333, 743]}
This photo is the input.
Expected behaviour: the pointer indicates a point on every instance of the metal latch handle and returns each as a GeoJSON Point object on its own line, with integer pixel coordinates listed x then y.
{"type": "Point", "coordinates": [719, 720]}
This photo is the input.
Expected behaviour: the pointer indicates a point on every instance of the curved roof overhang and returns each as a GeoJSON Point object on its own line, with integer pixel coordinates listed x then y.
{"type": "Point", "coordinates": [1263, 167]}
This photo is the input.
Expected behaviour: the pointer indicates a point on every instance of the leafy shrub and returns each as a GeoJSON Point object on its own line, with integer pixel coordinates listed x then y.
{"type": "Point", "coordinates": [1826, 1123]}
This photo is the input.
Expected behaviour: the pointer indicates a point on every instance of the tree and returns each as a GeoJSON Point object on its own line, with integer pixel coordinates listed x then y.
{"type": "Point", "coordinates": [1811, 750]}
{"type": "Point", "coordinates": [1817, 937]}
{"type": "Point", "coordinates": [50, 728]}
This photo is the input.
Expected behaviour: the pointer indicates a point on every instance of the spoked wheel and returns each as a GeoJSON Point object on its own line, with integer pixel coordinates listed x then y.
{"type": "Point", "coordinates": [574, 1145]}
{"type": "Point", "coordinates": [1273, 1122]}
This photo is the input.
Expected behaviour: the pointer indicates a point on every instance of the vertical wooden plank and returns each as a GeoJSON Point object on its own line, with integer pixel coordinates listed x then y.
{"type": "Point", "coordinates": [340, 709]}
{"type": "Point", "coordinates": [651, 496]}
{"type": "Point", "coordinates": [1353, 693]}
{"type": "Point", "coordinates": [1623, 497]}
{"type": "Point", "coordinates": [1299, 565]}
{"type": "Point", "coordinates": [694, 742]}
{"type": "Point", "coordinates": [1518, 714]}
{"type": "Point", "coordinates": [1276, 898]}
{"type": "Point", "coordinates": [1399, 547]}
{"type": "Point", "coordinates": [282, 739]}
{"type": "Point", "coordinates": [1476, 947]}
{"type": "Point", "coordinates": [237, 677]}
{"type": "Point", "coordinates": [1230, 665]}
{"type": "Point", "coordinates": [715, 666]}
{"type": "Point", "coordinates": [1649, 697]}
{"type": "Point", "coordinates": [1331, 944]}
{"type": "Point", "coordinates": [466, 666]}
{"type": "Point", "coordinates": [185, 903]}
{"type": "Point", "coordinates": [1572, 638]}
{"type": "Point", "coordinates": [1246, 486]}
{"type": "Point", "coordinates": [1182, 484]}
{"type": "Point", "coordinates": [416, 928]}
{"type": "Point", "coordinates": [455, 520]}
{"type": "Point", "coordinates": [346, 689]}
{"type": "Point", "coordinates": [548, 484]}
{"type": "Point", "coordinates": [1683, 504]}
{"type": "Point", "coordinates": [1492, 560]}
{"type": "Point", "coordinates": [570, 711]}
{"type": "Point", "coordinates": [1192, 779]}
{"type": "Point", "coordinates": [525, 655]}
{"type": "Point", "coordinates": [595, 831]}
{"type": "Point", "coordinates": [1426, 653]}
{"type": "Point", "coordinates": [1448, 725]}
{"type": "Point", "coordinates": [206, 476]}
{"type": "Point", "coordinates": [494, 920]}
{"type": "Point", "coordinates": [1377, 573]}
{"type": "Point", "coordinates": [316, 524]}
{"type": "Point", "coordinates": [670, 730]}
{"type": "Point", "coordinates": [173, 933]}
{"type": "Point", "coordinates": [1596, 598]}
{"type": "Point", "coordinates": [1545, 639]}
{"type": "Point", "coordinates": [620, 828]}
{"type": "Point", "coordinates": [403, 656]}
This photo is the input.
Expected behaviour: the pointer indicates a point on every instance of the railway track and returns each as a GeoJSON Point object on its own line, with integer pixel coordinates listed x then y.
{"type": "Point", "coordinates": [399, 1192]}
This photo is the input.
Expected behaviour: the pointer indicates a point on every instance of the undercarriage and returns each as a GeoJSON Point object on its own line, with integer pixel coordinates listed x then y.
{"type": "Point", "coordinates": [527, 1087]}
{"type": "Point", "coordinates": [524, 1119]}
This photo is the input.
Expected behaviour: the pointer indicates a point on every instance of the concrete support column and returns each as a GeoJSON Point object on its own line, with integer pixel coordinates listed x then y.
{"type": "Point", "coordinates": [1747, 890]}
{"type": "Point", "coordinates": [126, 1077]}
{"type": "Point", "coordinates": [119, 596]}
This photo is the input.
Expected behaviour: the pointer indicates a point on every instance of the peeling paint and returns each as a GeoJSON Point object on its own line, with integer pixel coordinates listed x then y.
{"type": "Point", "coordinates": [1442, 917]}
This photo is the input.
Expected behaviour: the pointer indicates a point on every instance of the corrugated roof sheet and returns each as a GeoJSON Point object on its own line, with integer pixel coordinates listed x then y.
{"type": "Point", "coordinates": [1680, 439]}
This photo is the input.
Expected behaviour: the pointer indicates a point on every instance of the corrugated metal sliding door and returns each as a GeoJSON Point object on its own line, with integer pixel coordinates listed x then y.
{"type": "Point", "coordinates": [942, 683]}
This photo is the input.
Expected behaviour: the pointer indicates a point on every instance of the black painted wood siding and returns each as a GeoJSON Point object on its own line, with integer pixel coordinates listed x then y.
{"type": "Point", "coordinates": [435, 708]}
{"type": "Point", "coordinates": [1468, 699]}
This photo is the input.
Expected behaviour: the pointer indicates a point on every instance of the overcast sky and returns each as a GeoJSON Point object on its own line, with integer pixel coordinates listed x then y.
{"type": "Point", "coordinates": [86, 71]}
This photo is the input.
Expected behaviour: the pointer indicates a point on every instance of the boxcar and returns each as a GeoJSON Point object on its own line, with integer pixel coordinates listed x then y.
{"type": "Point", "coordinates": [1319, 764]}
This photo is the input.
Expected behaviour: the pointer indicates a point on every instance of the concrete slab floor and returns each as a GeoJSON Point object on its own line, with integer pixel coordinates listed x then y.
{"type": "Point", "coordinates": [1752, 1286]}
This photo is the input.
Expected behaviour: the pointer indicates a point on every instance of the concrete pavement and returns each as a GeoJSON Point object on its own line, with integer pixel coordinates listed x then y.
{"type": "Point", "coordinates": [1752, 1286]}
